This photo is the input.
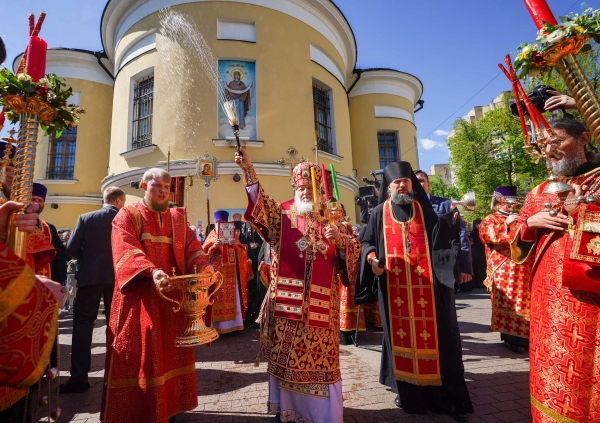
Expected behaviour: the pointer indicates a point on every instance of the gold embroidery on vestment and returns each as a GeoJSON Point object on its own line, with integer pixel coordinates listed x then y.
{"type": "Point", "coordinates": [151, 382]}
{"type": "Point", "coordinates": [550, 413]}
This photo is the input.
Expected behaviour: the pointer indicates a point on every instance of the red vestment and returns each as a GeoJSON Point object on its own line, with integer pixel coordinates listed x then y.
{"type": "Point", "coordinates": [372, 315]}
{"type": "Point", "coordinates": [349, 311]}
{"type": "Point", "coordinates": [40, 251]}
{"type": "Point", "coordinates": [565, 323]}
{"type": "Point", "coordinates": [412, 312]}
{"type": "Point", "coordinates": [507, 281]}
{"type": "Point", "coordinates": [147, 378]}
{"type": "Point", "coordinates": [300, 319]}
{"type": "Point", "coordinates": [28, 323]}
{"type": "Point", "coordinates": [234, 260]}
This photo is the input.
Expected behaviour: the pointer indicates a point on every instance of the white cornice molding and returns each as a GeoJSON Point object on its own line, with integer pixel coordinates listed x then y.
{"type": "Point", "coordinates": [389, 82]}
{"type": "Point", "coordinates": [188, 167]}
{"type": "Point", "coordinates": [139, 45]}
{"type": "Point", "coordinates": [322, 15]}
{"type": "Point", "coordinates": [329, 156]}
{"type": "Point", "coordinates": [57, 181]}
{"type": "Point", "coordinates": [230, 142]}
{"type": "Point", "coordinates": [70, 199]}
{"type": "Point", "coordinates": [138, 151]}
{"type": "Point", "coordinates": [73, 64]}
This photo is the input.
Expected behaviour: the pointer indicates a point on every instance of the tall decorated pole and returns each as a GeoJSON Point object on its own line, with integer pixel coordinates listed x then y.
{"type": "Point", "coordinates": [29, 110]}
{"type": "Point", "coordinates": [561, 54]}
{"type": "Point", "coordinates": [32, 100]}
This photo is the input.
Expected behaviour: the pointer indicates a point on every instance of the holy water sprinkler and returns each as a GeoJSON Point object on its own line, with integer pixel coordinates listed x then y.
{"type": "Point", "coordinates": [234, 121]}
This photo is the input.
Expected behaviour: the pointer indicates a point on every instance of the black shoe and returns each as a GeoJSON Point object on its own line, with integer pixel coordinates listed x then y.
{"type": "Point", "coordinates": [397, 401]}
{"type": "Point", "coordinates": [346, 338]}
{"type": "Point", "coordinates": [459, 417]}
{"type": "Point", "coordinates": [277, 417]}
{"type": "Point", "coordinates": [515, 348]}
{"type": "Point", "coordinates": [74, 387]}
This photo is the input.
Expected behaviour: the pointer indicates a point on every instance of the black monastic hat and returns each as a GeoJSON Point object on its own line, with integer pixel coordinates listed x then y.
{"type": "Point", "coordinates": [397, 170]}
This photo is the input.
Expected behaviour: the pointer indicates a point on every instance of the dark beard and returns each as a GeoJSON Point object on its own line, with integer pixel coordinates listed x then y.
{"type": "Point", "coordinates": [402, 199]}
{"type": "Point", "coordinates": [566, 166]}
{"type": "Point", "coordinates": [155, 206]}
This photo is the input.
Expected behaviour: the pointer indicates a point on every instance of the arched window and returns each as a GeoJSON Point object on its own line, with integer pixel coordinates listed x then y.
{"type": "Point", "coordinates": [143, 105]}
{"type": "Point", "coordinates": [61, 155]}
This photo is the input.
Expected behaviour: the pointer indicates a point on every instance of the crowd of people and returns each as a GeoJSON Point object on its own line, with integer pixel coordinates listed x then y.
{"type": "Point", "coordinates": [300, 277]}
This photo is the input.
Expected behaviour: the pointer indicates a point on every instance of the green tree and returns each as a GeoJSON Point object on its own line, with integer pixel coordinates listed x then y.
{"type": "Point", "coordinates": [488, 154]}
{"type": "Point", "coordinates": [438, 187]}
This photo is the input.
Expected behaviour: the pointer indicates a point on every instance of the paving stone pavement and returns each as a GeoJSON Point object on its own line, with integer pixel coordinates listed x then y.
{"type": "Point", "coordinates": [232, 390]}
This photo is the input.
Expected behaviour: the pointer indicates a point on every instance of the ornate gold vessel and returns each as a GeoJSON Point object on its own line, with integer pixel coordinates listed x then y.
{"type": "Point", "coordinates": [195, 298]}
{"type": "Point", "coordinates": [30, 104]}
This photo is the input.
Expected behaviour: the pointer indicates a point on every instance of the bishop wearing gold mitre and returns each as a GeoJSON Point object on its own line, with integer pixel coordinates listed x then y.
{"type": "Point", "coordinates": [300, 317]}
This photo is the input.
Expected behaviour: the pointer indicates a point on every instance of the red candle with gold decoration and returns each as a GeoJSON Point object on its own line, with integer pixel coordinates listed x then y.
{"type": "Point", "coordinates": [35, 60]}
{"type": "Point", "coordinates": [540, 12]}
{"type": "Point", "coordinates": [325, 186]}
{"type": "Point", "coordinates": [2, 119]}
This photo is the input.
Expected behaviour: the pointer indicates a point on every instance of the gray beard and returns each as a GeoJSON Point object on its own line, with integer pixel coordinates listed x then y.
{"type": "Point", "coordinates": [566, 166]}
{"type": "Point", "coordinates": [402, 199]}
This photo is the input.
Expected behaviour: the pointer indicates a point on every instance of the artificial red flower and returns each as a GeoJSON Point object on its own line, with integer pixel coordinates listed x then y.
{"type": "Point", "coordinates": [538, 58]}
{"type": "Point", "coordinates": [41, 91]}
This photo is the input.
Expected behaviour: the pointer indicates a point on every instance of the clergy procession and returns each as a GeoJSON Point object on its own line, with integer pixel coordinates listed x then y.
{"type": "Point", "coordinates": [306, 289]}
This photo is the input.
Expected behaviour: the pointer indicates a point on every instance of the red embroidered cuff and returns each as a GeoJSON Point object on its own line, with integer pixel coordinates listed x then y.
{"type": "Point", "coordinates": [527, 234]}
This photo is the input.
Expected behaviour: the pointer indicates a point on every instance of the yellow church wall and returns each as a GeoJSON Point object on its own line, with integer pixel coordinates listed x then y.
{"type": "Point", "coordinates": [365, 126]}
{"type": "Point", "coordinates": [93, 141]}
{"type": "Point", "coordinates": [185, 104]}
{"type": "Point", "coordinates": [65, 216]}
{"type": "Point", "coordinates": [91, 155]}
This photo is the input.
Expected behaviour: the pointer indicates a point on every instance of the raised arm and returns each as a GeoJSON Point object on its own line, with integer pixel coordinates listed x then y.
{"type": "Point", "coordinates": [263, 213]}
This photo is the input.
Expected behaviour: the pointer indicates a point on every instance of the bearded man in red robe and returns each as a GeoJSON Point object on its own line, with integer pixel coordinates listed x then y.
{"type": "Point", "coordinates": [560, 240]}
{"type": "Point", "coordinates": [147, 378]}
{"type": "Point", "coordinates": [300, 317]}
{"type": "Point", "coordinates": [507, 281]}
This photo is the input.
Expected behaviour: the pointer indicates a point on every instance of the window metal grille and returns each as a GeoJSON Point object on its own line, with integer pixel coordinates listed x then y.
{"type": "Point", "coordinates": [143, 101]}
{"type": "Point", "coordinates": [388, 148]}
{"type": "Point", "coordinates": [61, 155]}
{"type": "Point", "coordinates": [322, 119]}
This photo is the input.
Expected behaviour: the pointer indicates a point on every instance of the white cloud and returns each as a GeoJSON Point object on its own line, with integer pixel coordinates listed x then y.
{"type": "Point", "coordinates": [428, 144]}
{"type": "Point", "coordinates": [441, 133]}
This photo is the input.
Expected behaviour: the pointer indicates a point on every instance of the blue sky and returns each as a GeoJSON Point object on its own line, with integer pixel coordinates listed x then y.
{"type": "Point", "coordinates": [452, 46]}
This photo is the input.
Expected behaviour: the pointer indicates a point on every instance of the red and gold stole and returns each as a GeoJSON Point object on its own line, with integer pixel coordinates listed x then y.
{"type": "Point", "coordinates": [413, 329]}
{"type": "Point", "coordinates": [293, 262]}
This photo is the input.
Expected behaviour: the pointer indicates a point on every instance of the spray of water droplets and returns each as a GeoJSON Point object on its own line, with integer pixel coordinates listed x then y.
{"type": "Point", "coordinates": [183, 47]}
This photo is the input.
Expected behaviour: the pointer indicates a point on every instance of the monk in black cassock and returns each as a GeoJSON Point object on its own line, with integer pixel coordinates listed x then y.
{"type": "Point", "coordinates": [408, 258]}
{"type": "Point", "coordinates": [256, 290]}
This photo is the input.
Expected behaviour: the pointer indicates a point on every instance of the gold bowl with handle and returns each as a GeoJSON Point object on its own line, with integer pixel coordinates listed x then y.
{"type": "Point", "coordinates": [195, 298]}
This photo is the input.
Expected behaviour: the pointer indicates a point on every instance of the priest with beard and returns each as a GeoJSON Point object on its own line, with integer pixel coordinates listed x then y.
{"type": "Point", "coordinates": [300, 316]}
{"type": "Point", "coordinates": [147, 378]}
{"type": "Point", "coordinates": [408, 260]}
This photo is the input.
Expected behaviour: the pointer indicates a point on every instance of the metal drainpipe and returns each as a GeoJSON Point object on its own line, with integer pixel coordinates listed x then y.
{"type": "Point", "coordinates": [359, 73]}
{"type": "Point", "coordinates": [99, 55]}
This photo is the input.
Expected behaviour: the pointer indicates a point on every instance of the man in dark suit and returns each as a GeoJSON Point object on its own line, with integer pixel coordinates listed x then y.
{"type": "Point", "coordinates": [442, 206]}
{"type": "Point", "coordinates": [90, 244]}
